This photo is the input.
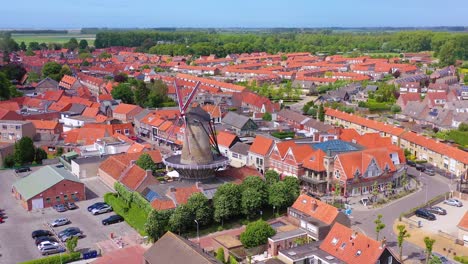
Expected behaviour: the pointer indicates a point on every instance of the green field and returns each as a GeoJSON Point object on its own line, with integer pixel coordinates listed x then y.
{"type": "Point", "coordinates": [52, 38]}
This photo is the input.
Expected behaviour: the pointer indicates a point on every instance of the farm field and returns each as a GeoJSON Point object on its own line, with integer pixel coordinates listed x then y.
{"type": "Point", "coordinates": [52, 38]}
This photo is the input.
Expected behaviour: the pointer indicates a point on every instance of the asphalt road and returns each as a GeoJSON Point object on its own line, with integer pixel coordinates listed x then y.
{"type": "Point", "coordinates": [364, 220]}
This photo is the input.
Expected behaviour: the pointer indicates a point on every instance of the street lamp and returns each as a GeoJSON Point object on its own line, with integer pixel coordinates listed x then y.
{"type": "Point", "coordinates": [198, 235]}
{"type": "Point", "coordinates": [273, 210]}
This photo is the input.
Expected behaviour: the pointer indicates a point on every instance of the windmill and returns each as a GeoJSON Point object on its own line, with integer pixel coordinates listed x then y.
{"type": "Point", "coordinates": [197, 160]}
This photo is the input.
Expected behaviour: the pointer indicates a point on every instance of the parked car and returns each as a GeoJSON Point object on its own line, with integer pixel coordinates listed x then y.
{"type": "Point", "coordinates": [420, 167]}
{"type": "Point", "coordinates": [95, 205]}
{"type": "Point", "coordinates": [67, 230]}
{"type": "Point", "coordinates": [112, 219]}
{"type": "Point", "coordinates": [411, 163]}
{"type": "Point", "coordinates": [71, 234]}
{"type": "Point", "coordinates": [48, 250]}
{"type": "Point", "coordinates": [423, 213]}
{"type": "Point", "coordinates": [22, 169]}
{"type": "Point", "coordinates": [71, 206]}
{"type": "Point", "coordinates": [59, 222]}
{"type": "Point", "coordinates": [443, 259]}
{"type": "Point", "coordinates": [101, 210]}
{"type": "Point", "coordinates": [134, 138]}
{"type": "Point", "coordinates": [45, 238]}
{"type": "Point", "coordinates": [39, 233]}
{"type": "Point", "coordinates": [430, 171]}
{"type": "Point", "coordinates": [47, 244]}
{"type": "Point", "coordinates": [60, 208]}
{"type": "Point", "coordinates": [437, 210]}
{"type": "Point", "coordinates": [1, 220]}
{"type": "Point", "coordinates": [453, 202]}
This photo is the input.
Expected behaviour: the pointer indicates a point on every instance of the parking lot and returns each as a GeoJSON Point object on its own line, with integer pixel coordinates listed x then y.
{"type": "Point", "coordinates": [445, 223]}
{"type": "Point", "coordinates": [16, 244]}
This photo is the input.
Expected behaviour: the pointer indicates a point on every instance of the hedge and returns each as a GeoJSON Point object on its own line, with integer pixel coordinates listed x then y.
{"type": "Point", "coordinates": [133, 215]}
{"type": "Point", "coordinates": [141, 202]}
{"type": "Point", "coordinates": [57, 259]}
{"type": "Point", "coordinates": [461, 259]}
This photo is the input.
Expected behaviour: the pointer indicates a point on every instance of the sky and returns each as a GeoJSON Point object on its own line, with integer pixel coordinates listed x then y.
{"type": "Point", "coordinates": [69, 14]}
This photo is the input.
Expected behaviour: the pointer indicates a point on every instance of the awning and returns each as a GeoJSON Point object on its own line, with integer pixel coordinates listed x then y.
{"type": "Point", "coordinates": [173, 174]}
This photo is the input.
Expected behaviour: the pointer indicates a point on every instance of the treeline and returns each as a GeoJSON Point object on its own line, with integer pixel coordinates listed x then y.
{"type": "Point", "coordinates": [44, 31]}
{"type": "Point", "coordinates": [221, 44]}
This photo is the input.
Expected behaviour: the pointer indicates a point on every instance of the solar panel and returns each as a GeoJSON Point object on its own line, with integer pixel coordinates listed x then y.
{"type": "Point", "coordinates": [152, 195]}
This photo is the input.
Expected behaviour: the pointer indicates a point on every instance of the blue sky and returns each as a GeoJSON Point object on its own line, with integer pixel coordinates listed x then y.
{"type": "Point", "coordinates": [233, 13]}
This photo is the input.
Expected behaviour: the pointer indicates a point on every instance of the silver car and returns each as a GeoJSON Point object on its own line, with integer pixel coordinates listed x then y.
{"type": "Point", "coordinates": [453, 202]}
{"type": "Point", "coordinates": [101, 210]}
{"type": "Point", "coordinates": [47, 244]}
{"type": "Point", "coordinates": [51, 249]}
{"type": "Point", "coordinates": [60, 222]}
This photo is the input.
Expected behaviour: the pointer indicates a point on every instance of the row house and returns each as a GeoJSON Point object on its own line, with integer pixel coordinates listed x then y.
{"type": "Point", "coordinates": [292, 118]}
{"type": "Point", "coordinates": [259, 152]}
{"type": "Point", "coordinates": [225, 87]}
{"type": "Point", "coordinates": [95, 85]}
{"type": "Point", "coordinates": [126, 112]}
{"type": "Point", "coordinates": [441, 155]}
{"type": "Point", "coordinates": [69, 83]}
{"type": "Point", "coordinates": [410, 87]}
{"type": "Point", "coordinates": [14, 130]}
{"type": "Point", "coordinates": [196, 70]}
{"type": "Point", "coordinates": [254, 102]}
{"type": "Point", "coordinates": [287, 158]}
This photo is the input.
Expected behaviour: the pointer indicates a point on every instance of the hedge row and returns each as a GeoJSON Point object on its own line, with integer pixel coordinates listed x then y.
{"type": "Point", "coordinates": [132, 197]}
{"type": "Point", "coordinates": [57, 259]}
{"type": "Point", "coordinates": [131, 212]}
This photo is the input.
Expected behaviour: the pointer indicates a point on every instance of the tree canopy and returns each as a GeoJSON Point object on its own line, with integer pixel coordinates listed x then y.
{"type": "Point", "coordinates": [145, 162]}
{"type": "Point", "coordinates": [256, 234]}
{"type": "Point", "coordinates": [123, 92]}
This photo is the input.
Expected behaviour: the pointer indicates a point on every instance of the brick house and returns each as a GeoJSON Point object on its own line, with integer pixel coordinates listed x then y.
{"type": "Point", "coordinates": [126, 112]}
{"type": "Point", "coordinates": [287, 158]}
{"type": "Point", "coordinates": [12, 130]}
{"type": "Point", "coordinates": [46, 130]}
{"type": "Point", "coordinates": [47, 187]}
{"type": "Point", "coordinates": [315, 217]}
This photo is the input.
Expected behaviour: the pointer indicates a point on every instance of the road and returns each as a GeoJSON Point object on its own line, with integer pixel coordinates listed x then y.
{"type": "Point", "coordinates": [298, 105]}
{"type": "Point", "coordinates": [364, 220]}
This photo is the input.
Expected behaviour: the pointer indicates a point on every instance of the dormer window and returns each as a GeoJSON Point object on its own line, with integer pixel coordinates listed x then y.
{"type": "Point", "coordinates": [358, 253]}
{"type": "Point", "coordinates": [334, 241]}
{"type": "Point", "coordinates": [343, 245]}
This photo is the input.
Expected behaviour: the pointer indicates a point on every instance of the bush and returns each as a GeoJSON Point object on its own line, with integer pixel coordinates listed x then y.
{"type": "Point", "coordinates": [256, 234]}
{"type": "Point", "coordinates": [133, 215]}
{"type": "Point", "coordinates": [123, 192]}
{"type": "Point", "coordinates": [462, 259]}
{"type": "Point", "coordinates": [141, 202]}
{"type": "Point", "coordinates": [283, 135]}
{"type": "Point", "coordinates": [57, 259]}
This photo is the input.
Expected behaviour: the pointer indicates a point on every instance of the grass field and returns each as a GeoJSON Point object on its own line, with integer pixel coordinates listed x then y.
{"type": "Point", "coordinates": [52, 38]}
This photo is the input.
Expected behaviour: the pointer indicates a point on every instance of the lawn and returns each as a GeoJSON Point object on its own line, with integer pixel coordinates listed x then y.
{"type": "Point", "coordinates": [133, 215]}
{"type": "Point", "coordinates": [52, 38]}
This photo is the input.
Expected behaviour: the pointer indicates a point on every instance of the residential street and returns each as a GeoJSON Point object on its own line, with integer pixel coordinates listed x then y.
{"type": "Point", "coordinates": [364, 220]}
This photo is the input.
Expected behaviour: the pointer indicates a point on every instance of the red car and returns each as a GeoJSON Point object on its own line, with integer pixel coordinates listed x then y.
{"type": "Point", "coordinates": [134, 138]}
{"type": "Point", "coordinates": [1, 220]}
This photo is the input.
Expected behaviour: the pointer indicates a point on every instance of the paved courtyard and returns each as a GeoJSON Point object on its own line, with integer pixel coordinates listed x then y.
{"type": "Point", "coordinates": [16, 244]}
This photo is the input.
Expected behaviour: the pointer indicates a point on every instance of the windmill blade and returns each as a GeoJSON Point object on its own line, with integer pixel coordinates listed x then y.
{"type": "Point", "coordinates": [186, 131]}
{"type": "Point", "coordinates": [190, 98]}
{"type": "Point", "coordinates": [174, 125]}
{"type": "Point", "coordinates": [179, 97]}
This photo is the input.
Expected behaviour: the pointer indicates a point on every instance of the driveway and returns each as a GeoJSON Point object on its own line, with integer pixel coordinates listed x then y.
{"type": "Point", "coordinates": [445, 223]}
{"type": "Point", "coordinates": [16, 244]}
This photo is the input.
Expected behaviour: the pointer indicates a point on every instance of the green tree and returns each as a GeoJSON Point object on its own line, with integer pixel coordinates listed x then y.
{"type": "Point", "coordinates": [463, 127]}
{"type": "Point", "coordinates": [402, 235]}
{"type": "Point", "coordinates": [232, 260]}
{"type": "Point", "coordinates": [395, 109]}
{"type": "Point", "coordinates": [145, 162]}
{"type": "Point", "coordinates": [321, 113]}
{"type": "Point", "coordinates": [251, 202]}
{"type": "Point", "coordinates": [59, 152]}
{"type": "Point", "coordinates": [141, 93]}
{"type": "Point", "coordinates": [389, 188]}
{"type": "Point", "coordinates": [121, 77]}
{"type": "Point", "coordinates": [447, 54]}
{"type": "Point", "coordinates": [52, 69]}
{"type": "Point", "coordinates": [64, 71]}
{"type": "Point", "coordinates": [429, 243]}
{"type": "Point", "coordinates": [379, 225]}
{"type": "Point", "coordinates": [23, 46]}
{"type": "Point", "coordinates": [267, 117]}
{"type": "Point", "coordinates": [24, 151]}
{"type": "Point", "coordinates": [71, 244]}
{"type": "Point", "coordinates": [158, 94]}
{"type": "Point", "coordinates": [278, 195]}
{"type": "Point", "coordinates": [157, 224]}
{"type": "Point", "coordinates": [83, 44]}
{"type": "Point", "coordinates": [220, 255]}
{"type": "Point", "coordinates": [180, 219]}
{"type": "Point", "coordinates": [72, 44]}
{"type": "Point", "coordinates": [293, 188]}
{"type": "Point", "coordinates": [40, 155]}
{"type": "Point", "coordinates": [123, 92]}
{"type": "Point", "coordinates": [34, 46]}
{"type": "Point", "coordinates": [375, 190]}
{"type": "Point", "coordinates": [9, 161]}
{"type": "Point", "coordinates": [226, 202]}
{"type": "Point", "coordinates": [13, 71]}
{"type": "Point", "coordinates": [200, 208]}
{"type": "Point", "coordinates": [271, 177]}
{"type": "Point", "coordinates": [256, 234]}
{"type": "Point", "coordinates": [5, 85]}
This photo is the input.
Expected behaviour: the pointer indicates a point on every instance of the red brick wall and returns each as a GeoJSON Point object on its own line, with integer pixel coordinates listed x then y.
{"type": "Point", "coordinates": [62, 188]}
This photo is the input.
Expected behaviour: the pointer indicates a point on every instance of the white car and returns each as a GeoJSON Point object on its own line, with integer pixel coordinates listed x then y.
{"type": "Point", "coordinates": [47, 244]}
{"type": "Point", "coordinates": [102, 209]}
{"type": "Point", "coordinates": [453, 202]}
{"type": "Point", "coordinates": [59, 222]}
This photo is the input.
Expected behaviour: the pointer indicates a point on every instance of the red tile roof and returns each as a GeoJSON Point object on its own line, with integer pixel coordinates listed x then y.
{"type": "Point", "coordinates": [162, 204]}
{"type": "Point", "coordinates": [44, 124]}
{"type": "Point", "coordinates": [323, 211]}
{"type": "Point", "coordinates": [350, 246]}
{"type": "Point", "coordinates": [463, 224]}
{"type": "Point", "coordinates": [314, 161]}
{"type": "Point", "coordinates": [10, 105]}
{"type": "Point", "coordinates": [182, 194]}
{"type": "Point", "coordinates": [134, 177]}
{"type": "Point", "coordinates": [261, 145]}
{"type": "Point", "coordinates": [225, 139]}
{"type": "Point", "coordinates": [132, 254]}
{"type": "Point", "coordinates": [90, 112]}
{"type": "Point", "coordinates": [125, 108]}
{"type": "Point", "coordinates": [360, 160]}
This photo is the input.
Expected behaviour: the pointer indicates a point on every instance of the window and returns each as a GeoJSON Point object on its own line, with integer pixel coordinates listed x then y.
{"type": "Point", "coordinates": [65, 197]}
{"type": "Point", "coordinates": [337, 174]}
{"type": "Point", "coordinates": [126, 131]}
{"type": "Point", "coordinates": [74, 197]}
{"type": "Point", "coordinates": [4, 127]}
{"type": "Point", "coordinates": [118, 131]}
{"type": "Point", "coordinates": [390, 260]}
{"type": "Point", "coordinates": [47, 200]}
{"type": "Point", "coordinates": [57, 198]}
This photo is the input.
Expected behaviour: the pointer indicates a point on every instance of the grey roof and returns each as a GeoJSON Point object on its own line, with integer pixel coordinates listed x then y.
{"type": "Point", "coordinates": [88, 160]}
{"type": "Point", "coordinates": [47, 83]}
{"type": "Point", "coordinates": [142, 114]}
{"type": "Point", "coordinates": [316, 124]}
{"type": "Point", "coordinates": [240, 148]}
{"type": "Point", "coordinates": [172, 248]}
{"type": "Point", "coordinates": [415, 109]}
{"type": "Point", "coordinates": [288, 234]}
{"type": "Point", "coordinates": [293, 115]}
{"type": "Point", "coordinates": [76, 109]}
{"type": "Point", "coordinates": [235, 120]}
{"type": "Point", "coordinates": [371, 88]}
{"type": "Point", "coordinates": [309, 250]}
{"type": "Point", "coordinates": [41, 180]}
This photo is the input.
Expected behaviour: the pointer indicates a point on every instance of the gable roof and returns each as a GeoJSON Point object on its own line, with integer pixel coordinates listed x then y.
{"type": "Point", "coordinates": [125, 108]}
{"type": "Point", "coordinates": [225, 139]}
{"type": "Point", "coordinates": [360, 160]}
{"type": "Point", "coordinates": [45, 124]}
{"type": "Point", "coordinates": [261, 145]}
{"type": "Point", "coordinates": [41, 180]}
{"type": "Point", "coordinates": [171, 248]}
{"type": "Point", "coordinates": [350, 246]}
{"type": "Point", "coordinates": [134, 177]}
{"type": "Point", "coordinates": [463, 224]}
{"type": "Point", "coordinates": [324, 212]}
{"type": "Point", "coordinates": [235, 120]}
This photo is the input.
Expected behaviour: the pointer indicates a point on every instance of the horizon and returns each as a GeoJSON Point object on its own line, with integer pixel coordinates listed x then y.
{"type": "Point", "coordinates": [55, 14]}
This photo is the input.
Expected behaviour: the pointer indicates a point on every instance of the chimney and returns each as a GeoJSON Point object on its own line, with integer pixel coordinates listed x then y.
{"type": "Point", "coordinates": [132, 162]}
{"type": "Point", "coordinates": [314, 205]}
{"type": "Point", "coordinates": [172, 189]}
